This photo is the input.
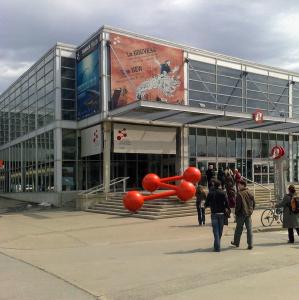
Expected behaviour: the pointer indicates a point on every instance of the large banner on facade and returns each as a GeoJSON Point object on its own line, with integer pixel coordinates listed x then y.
{"type": "Point", "coordinates": [91, 141]}
{"type": "Point", "coordinates": [130, 138]}
{"type": "Point", "coordinates": [88, 89]}
{"type": "Point", "coordinates": [142, 70]}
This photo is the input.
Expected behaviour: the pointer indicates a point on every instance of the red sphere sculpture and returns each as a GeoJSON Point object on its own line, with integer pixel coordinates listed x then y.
{"type": "Point", "coordinates": [186, 190]}
{"type": "Point", "coordinates": [192, 174]}
{"type": "Point", "coordinates": [133, 200]}
{"type": "Point", "coordinates": [151, 182]}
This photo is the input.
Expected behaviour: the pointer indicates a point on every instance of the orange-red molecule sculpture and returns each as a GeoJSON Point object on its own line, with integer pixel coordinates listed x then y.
{"type": "Point", "coordinates": [133, 200]}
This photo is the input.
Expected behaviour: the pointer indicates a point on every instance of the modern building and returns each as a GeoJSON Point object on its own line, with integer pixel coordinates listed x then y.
{"type": "Point", "coordinates": [123, 104]}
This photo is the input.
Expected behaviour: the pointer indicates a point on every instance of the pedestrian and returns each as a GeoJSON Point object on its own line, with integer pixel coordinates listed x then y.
{"type": "Point", "coordinates": [230, 189]}
{"type": "Point", "coordinates": [210, 175]}
{"type": "Point", "coordinates": [245, 204]}
{"type": "Point", "coordinates": [237, 177]}
{"type": "Point", "coordinates": [221, 177]}
{"type": "Point", "coordinates": [290, 219]}
{"type": "Point", "coordinates": [200, 204]}
{"type": "Point", "coordinates": [217, 201]}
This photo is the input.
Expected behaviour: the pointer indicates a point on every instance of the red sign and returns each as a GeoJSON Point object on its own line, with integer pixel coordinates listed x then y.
{"type": "Point", "coordinates": [258, 116]}
{"type": "Point", "coordinates": [142, 70]}
{"type": "Point", "coordinates": [1, 164]}
{"type": "Point", "coordinates": [277, 152]}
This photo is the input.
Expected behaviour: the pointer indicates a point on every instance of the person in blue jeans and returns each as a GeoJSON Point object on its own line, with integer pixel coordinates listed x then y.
{"type": "Point", "coordinates": [217, 201]}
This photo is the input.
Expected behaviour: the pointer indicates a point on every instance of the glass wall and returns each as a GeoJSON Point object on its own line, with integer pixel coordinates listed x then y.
{"type": "Point", "coordinates": [69, 158]}
{"type": "Point", "coordinates": [29, 103]}
{"type": "Point", "coordinates": [29, 166]}
{"type": "Point", "coordinates": [218, 87]}
{"type": "Point", "coordinates": [68, 95]}
{"type": "Point", "coordinates": [136, 166]}
{"type": "Point", "coordinates": [247, 151]}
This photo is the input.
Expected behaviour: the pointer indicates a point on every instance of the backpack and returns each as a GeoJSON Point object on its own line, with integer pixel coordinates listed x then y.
{"type": "Point", "coordinates": [295, 205]}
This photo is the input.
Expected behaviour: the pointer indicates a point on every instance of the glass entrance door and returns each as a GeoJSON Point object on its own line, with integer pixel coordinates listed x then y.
{"type": "Point", "coordinates": [262, 172]}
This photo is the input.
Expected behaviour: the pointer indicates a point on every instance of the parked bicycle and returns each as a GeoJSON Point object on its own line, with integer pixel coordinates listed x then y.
{"type": "Point", "coordinates": [272, 214]}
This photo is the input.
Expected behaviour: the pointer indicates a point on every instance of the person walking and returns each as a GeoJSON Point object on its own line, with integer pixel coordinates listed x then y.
{"type": "Point", "coordinates": [210, 175]}
{"type": "Point", "coordinates": [290, 219]}
{"type": "Point", "coordinates": [237, 177]}
{"type": "Point", "coordinates": [200, 202]}
{"type": "Point", "coordinates": [217, 201]}
{"type": "Point", "coordinates": [245, 204]}
{"type": "Point", "coordinates": [221, 177]}
{"type": "Point", "coordinates": [230, 189]}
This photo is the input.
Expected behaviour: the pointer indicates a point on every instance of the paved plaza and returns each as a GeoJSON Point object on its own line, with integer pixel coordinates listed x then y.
{"type": "Point", "coordinates": [55, 254]}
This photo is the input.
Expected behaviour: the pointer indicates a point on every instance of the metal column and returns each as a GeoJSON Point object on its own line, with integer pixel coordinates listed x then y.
{"type": "Point", "coordinates": [106, 155]}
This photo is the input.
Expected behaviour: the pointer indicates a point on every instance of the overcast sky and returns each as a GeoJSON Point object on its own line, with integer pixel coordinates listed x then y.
{"type": "Point", "coordinates": [266, 31]}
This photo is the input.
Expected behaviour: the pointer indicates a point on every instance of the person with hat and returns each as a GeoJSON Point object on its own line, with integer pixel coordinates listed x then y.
{"type": "Point", "coordinates": [237, 177]}
{"type": "Point", "coordinates": [290, 219]}
{"type": "Point", "coordinates": [245, 204]}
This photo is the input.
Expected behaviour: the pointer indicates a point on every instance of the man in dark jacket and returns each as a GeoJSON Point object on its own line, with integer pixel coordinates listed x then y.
{"type": "Point", "coordinates": [245, 204]}
{"type": "Point", "coordinates": [210, 175]}
{"type": "Point", "coordinates": [217, 201]}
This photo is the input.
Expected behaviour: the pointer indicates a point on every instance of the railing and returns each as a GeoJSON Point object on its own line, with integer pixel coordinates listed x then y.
{"type": "Point", "coordinates": [258, 184]}
{"type": "Point", "coordinates": [100, 188]}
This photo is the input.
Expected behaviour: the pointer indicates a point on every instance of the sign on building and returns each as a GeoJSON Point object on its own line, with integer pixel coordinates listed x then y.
{"type": "Point", "coordinates": [91, 141]}
{"type": "Point", "coordinates": [129, 138]}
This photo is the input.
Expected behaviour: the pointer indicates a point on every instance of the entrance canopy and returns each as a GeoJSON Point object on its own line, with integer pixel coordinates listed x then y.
{"type": "Point", "coordinates": [178, 115]}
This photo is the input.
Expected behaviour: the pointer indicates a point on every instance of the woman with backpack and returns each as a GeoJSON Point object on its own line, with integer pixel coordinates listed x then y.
{"type": "Point", "coordinates": [290, 216]}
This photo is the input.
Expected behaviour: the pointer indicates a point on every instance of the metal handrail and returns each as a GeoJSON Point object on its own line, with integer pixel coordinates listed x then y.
{"type": "Point", "coordinates": [100, 188]}
{"type": "Point", "coordinates": [255, 183]}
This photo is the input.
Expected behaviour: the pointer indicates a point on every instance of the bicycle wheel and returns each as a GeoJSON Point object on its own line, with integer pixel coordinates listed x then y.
{"type": "Point", "coordinates": [267, 217]}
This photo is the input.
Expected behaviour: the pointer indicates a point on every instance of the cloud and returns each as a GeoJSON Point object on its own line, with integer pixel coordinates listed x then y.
{"type": "Point", "coordinates": [261, 31]}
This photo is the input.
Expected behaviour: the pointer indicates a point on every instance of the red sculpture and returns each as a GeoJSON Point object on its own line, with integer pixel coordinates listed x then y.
{"type": "Point", "coordinates": [134, 200]}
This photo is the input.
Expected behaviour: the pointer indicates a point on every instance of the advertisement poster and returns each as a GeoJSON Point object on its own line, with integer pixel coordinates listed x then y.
{"type": "Point", "coordinates": [142, 70]}
{"type": "Point", "coordinates": [129, 138]}
{"type": "Point", "coordinates": [88, 90]}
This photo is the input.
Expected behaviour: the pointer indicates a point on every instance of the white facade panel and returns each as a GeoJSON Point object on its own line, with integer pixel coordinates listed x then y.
{"type": "Point", "coordinates": [229, 65]}
{"type": "Point", "coordinates": [278, 75]}
{"type": "Point", "coordinates": [256, 71]}
{"type": "Point", "coordinates": [202, 58]}
{"type": "Point", "coordinates": [129, 138]}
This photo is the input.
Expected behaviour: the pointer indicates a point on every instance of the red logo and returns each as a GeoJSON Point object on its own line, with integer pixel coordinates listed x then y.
{"type": "Point", "coordinates": [277, 152]}
{"type": "Point", "coordinates": [258, 116]}
{"type": "Point", "coordinates": [95, 136]}
{"type": "Point", "coordinates": [122, 134]}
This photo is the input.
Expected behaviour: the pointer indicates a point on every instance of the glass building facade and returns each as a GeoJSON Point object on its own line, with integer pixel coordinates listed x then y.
{"type": "Point", "coordinates": [28, 123]}
{"type": "Point", "coordinates": [46, 114]}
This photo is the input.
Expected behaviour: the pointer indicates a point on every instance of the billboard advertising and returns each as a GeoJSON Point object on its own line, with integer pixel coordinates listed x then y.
{"type": "Point", "coordinates": [142, 70]}
{"type": "Point", "coordinates": [88, 88]}
{"type": "Point", "coordinates": [129, 138]}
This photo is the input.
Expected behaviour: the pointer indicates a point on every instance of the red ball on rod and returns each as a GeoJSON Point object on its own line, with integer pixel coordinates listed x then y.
{"type": "Point", "coordinates": [133, 201]}
{"type": "Point", "coordinates": [186, 190]}
{"type": "Point", "coordinates": [192, 174]}
{"type": "Point", "coordinates": [151, 182]}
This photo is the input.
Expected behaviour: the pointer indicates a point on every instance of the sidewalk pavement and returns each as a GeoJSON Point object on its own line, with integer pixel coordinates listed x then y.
{"type": "Point", "coordinates": [97, 256]}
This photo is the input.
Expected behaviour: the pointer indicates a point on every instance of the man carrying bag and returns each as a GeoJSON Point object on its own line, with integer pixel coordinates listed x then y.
{"type": "Point", "coordinates": [245, 204]}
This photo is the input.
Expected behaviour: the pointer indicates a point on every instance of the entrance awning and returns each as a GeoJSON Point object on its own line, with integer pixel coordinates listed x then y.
{"type": "Point", "coordinates": [178, 115]}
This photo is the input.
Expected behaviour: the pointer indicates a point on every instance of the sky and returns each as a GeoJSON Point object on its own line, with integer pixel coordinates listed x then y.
{"type": "Point", "coordinates": [266, 32]}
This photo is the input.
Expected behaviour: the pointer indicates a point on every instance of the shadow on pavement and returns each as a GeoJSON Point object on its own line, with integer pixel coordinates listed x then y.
{"type": "Point", "coordinates": [199, 250]}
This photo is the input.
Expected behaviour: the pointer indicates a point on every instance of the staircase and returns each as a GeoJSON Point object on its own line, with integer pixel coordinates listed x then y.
{"type": "Point", "coordinates": [163, 208]}
{"type": "Point", "coordinates": [169, 207]}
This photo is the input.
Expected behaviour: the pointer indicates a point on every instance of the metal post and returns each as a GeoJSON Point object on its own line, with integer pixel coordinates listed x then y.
{"type": "Point", "coordinates": [106, 156]}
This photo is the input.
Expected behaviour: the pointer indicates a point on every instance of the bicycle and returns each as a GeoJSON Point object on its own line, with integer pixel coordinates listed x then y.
{"type": "Point", "coordinates": [271, 214]}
